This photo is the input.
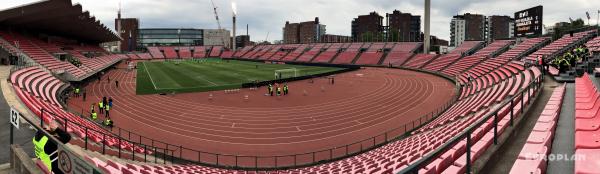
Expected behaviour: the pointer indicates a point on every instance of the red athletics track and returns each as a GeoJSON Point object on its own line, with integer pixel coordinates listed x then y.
{"type": "Point", "coordinates": [361, 104]}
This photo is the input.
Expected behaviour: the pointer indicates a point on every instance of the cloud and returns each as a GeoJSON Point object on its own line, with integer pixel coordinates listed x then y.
{"type": "Point", "coordinates": [268, 16]}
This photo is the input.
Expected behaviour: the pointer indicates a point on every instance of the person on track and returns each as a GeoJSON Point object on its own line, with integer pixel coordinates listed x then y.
{"type": "Point", "coordinates": [285, 89]}
{"type": "Point", "coordinates": [110, 102]}
{"type": "Point", "coordinates": [76, 91]}
{"type": "Point", "coordinates": [107, 109]}
{"type": "Point", "coordinates": [117, 83]}
{"type": "Point", "coordinates": [270, 88]}
{"type": "Point", "coordinates": [101, 107]}
{"type": "Point", "coordinates": [84, 95]}
{"type": "Point", "coordinates": [278, 90]}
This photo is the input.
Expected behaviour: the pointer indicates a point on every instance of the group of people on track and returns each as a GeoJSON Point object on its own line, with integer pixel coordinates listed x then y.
{"type": "Point", "coordinates": [277, 89]}
{"type": "Point", "coordinates": [104, 107]}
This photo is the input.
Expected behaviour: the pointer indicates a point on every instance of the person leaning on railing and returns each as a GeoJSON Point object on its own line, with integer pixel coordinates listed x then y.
{"type": "Point", "coordinates": [46, 150]}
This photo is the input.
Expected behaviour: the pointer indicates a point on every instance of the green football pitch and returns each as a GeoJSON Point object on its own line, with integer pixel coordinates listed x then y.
{"type": "Point", "coordinates": [211, 74]}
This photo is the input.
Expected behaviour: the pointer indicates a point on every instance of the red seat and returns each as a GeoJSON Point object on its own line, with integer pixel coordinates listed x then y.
{"type": "Point", "coordinates": [587, 161]}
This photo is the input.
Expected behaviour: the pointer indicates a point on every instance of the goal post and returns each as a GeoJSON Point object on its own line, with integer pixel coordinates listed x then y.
{"type": "Point", "coordinates": [287, 73]}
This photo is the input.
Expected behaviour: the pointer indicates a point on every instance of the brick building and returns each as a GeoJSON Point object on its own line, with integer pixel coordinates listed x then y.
{"type": "Point", "coordinates": [499, 27]}
{"type": "Point", "coordinates": [467, 27]}
{"type": "Point", "coordinates": [128, 30]}
{"type": "Point", "coordinates": [404, 27]}
{"type": "Point", "coordinates": [371, 23]}
{"type": "Point", "coordinates": [304, 32]}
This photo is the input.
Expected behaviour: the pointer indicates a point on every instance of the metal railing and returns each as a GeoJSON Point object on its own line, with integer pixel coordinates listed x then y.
{"type": "Point", "coordinates": [144, 152]}
{"type": "Point", "coordinates": [40, 128]}
{"type": "Point", "coordinates": [179, 154]}
{"type": "Point", "coordinates": [528, 91]}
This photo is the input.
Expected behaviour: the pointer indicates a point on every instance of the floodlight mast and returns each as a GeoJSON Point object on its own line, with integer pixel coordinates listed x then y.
{"type": "Point", "coordinates": [234, 9]}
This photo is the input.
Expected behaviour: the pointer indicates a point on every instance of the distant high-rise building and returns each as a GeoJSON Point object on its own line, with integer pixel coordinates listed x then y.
{"type": "Point", "coordinates": [366, 27]}
{"type": "Point", "coordinates": [499, 27]}
{"type": "Point", "coordinates": [242, 40]}
{"type": "Point", "coordinates": [304, 32]}
{"type": "Point", "coordinates": [331, 38]}
{"type": "Point", "coordinates": [467, 27]}
{"type": "Point", "coordinates": [403, 27]}
{"type": "Point", "coordinates": [127, 29]}
{"type": "Point", "coordinates": [217, 37]}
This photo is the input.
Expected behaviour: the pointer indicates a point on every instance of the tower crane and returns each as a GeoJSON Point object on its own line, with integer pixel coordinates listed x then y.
{"type": "Point", "coordinates": [218, 22]}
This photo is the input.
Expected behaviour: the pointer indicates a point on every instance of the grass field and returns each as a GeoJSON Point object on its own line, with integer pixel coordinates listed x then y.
{"type": "Point", "coordinates": [209, 75]}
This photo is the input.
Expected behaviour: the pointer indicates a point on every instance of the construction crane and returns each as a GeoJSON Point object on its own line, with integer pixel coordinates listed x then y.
{"type": "Point", "coordinates": [218, 22]}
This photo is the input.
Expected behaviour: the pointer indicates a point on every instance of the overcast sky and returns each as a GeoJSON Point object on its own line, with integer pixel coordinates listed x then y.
{"type": "Point", "coordinates": [269, 16]}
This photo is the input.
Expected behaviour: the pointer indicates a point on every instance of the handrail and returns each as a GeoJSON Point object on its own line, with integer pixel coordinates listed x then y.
{"type": "Point", "coordinates": [535, 85]}
{"type": "Point", "coordinates": [53, 139]}
{"type": "Point", "coordinates": [372, 142]}
{"type": "Point", "coordinates": [259, 161]}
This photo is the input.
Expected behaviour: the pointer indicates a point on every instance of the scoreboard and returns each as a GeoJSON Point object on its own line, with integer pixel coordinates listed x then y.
{"type": "Point", "coordinates": [529, 22]}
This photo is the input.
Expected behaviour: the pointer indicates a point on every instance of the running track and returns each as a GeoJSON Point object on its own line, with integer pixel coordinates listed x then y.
{"type": "Point", "coordinates": [315, 116]}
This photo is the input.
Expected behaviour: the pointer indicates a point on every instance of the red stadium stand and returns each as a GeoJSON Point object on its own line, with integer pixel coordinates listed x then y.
{"type": "Point", "coordinates": [284, 51]}
{"type": "Point", "coordinates": [314, 51]}
{"type": "Point", "coordinates": [483, 54]}
{"type": "Point", "coordinates": [373, 55]}
{"type": "Point", "coordinates": [199, 52]}
{"type": "Point", "coordinates": [593, 44]}
{"type": "Point", "coordinates": [420, 60]}
{"type": "Point", "coordinates": [264, 51]}
{"type": "Point", "coordinates": [156, 53]}
{"type": "Point", "coordinates": [41, 56]}
{"type": "Point", "coordinates": [587, 124]}
{"type": "Point", "coordinates": [538, 145]}
{"type": "Point", "coordinates": [38, 90]}
{"type": "Point", "coordinates": [514, 53]}
{"type": "Point", "coordinates": [270, 53]}
{"type": "Point", "coordinates": [169, 52]}
{"type": "Point", "coordinates": [243, 51]}
{"type": "Point", "coordinates": [348, 56]}
{"type": "Point", "coordinates": [296, 53]}
{"type": "Point", "coordinates": [395, 156]}
{"type": "Point", "coordinates": [560, 45]}
{"type": "Point", "coordinates": [216, 51]}
{"type": "Point", "coordinates": [331, 52]}
{"type": "Point", "coordinates": [448, 59]}
{"type": "Point", "coordinates": [227, 54]}
{"type": "Point", "coordinates": [185, 52]}
{"type": "Point", "coordinates": [401, 52]}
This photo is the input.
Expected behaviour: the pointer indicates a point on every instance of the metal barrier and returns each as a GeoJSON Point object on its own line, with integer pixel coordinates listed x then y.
{"type": "Point", "coordinates": [466, 134]}
{"type": "Point", "coordinates": [180, 154]}
{"type": "Point", "coordinates": [67, 158]}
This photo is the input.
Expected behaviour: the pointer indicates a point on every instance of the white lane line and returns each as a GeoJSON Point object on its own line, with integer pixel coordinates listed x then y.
{"type": "Point", "coordinates": [146, 69]}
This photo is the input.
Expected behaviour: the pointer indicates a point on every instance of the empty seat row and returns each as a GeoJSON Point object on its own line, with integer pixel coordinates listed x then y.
{"type": "Point", "coordinates": [587, 126]}
{"type": "Point", "coordinates": [532, 158]}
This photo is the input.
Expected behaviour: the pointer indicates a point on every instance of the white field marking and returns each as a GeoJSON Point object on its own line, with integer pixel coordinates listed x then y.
{"type": "Point", "coordinates": [146, 68]}
{"type": "Point", "coordinates": [202, 78]}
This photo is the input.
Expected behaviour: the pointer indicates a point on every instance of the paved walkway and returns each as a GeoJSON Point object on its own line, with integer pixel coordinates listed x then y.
{"type": "Point", "coordinates": [564, 135]}
{"type": "Point", "coordinates": [23, 135]}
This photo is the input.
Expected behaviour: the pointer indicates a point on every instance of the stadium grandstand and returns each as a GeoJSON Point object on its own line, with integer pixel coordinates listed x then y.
{"type": "Point", "coordinates": [354, 107]}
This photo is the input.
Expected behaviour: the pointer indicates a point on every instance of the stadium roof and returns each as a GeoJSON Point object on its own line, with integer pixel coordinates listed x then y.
{"type": "Point", "coordinates": [58, 17]}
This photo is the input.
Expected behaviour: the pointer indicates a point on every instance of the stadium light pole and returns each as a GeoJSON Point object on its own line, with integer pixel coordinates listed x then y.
{"type": "Point", "coordinates": [234, 9]}
{"type": "Point", "coordinates": [426, 41]}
